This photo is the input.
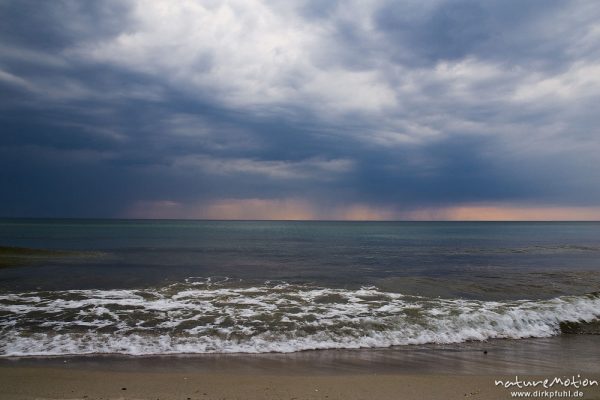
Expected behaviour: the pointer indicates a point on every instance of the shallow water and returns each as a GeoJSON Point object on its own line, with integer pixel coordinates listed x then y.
{"type": "Point", "coordinates": [552, 356]}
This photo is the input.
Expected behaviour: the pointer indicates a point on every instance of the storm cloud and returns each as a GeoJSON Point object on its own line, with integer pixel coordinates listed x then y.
{"type": "Point", "coordinates": [300, 109]}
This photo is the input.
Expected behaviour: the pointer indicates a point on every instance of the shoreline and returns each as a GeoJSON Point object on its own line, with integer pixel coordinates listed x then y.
{"type": "Point", "coordinates": [418, 372]}
{"type": "Point", "coordinates": [533, 356]}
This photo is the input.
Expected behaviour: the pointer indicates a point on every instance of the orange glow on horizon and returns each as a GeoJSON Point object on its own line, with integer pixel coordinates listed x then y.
{"type": "Point", "coordinates": [297, 209]}
{"type": "Point", "coordinates": [522, 213]}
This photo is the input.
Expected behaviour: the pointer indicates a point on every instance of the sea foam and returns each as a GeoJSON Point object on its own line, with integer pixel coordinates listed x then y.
{"type": "Point", "coordinates": [204, 316]}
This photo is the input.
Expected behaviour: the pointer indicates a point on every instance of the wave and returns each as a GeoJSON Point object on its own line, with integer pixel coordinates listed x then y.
{"type": "Point", "coordinates": [218, 316]}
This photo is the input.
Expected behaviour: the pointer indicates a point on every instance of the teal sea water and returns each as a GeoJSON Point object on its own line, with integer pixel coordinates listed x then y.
{"type": "Point", "coordinates": [171, 287]}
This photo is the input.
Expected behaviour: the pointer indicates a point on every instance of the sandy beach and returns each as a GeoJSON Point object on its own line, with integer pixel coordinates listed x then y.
{"type": "Point", "coordinates": [29, 383]}
{"type": "Point", "coordinates": [57, 383]}
{"type": "Point", "coordinates": [425, 372]}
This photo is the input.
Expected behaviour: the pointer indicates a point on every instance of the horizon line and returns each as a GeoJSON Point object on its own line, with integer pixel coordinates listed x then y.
{"type": "Point", "coordinates": [295, 220]}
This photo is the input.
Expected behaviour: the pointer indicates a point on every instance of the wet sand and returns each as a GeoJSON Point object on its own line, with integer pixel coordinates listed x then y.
{"type": "Point", "coordinates": [465, 371]}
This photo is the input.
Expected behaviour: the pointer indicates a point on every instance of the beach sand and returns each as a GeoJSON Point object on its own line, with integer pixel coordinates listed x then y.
{"type": "Point", "coordinates": [409, 372]}
{"type": "Point", "coordinates": [56, 383]}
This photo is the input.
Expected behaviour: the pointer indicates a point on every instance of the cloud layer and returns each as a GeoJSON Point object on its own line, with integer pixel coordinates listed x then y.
{"type": "Point", "coordinates": [303, 109]}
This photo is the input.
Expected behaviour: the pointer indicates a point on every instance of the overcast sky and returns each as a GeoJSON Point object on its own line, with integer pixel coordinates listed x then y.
{"type": "Point", "coordinates": [300, 109]}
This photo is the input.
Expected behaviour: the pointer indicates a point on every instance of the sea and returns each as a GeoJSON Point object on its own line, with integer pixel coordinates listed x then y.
{"type": "Point", "coordinates": [164, 287]}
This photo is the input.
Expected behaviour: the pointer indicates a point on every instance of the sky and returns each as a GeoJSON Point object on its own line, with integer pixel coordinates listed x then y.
{"type": "Point", "coordinates": [300, 109]}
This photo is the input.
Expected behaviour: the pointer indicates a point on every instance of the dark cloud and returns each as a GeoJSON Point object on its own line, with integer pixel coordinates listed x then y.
{"type": "Point", "coordinates": [51, 26]}
{"type": "Point", "coordinates": [464, 102]}
{"type": "Point", "coordinates": [535, 34]}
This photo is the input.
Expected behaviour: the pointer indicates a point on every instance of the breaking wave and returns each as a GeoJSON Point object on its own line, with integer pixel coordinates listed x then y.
{"type": "Point", "coordinates": [217, 316]}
